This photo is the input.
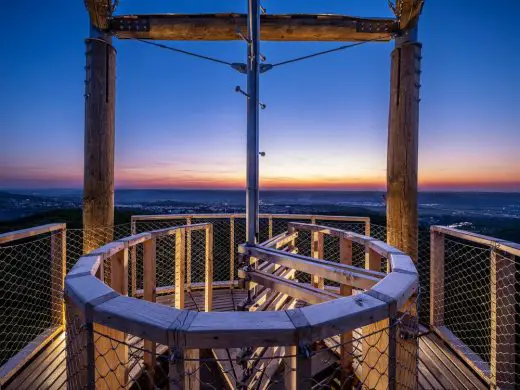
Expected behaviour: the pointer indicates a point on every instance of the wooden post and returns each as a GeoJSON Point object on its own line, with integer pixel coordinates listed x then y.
{"type": "Point", "coordinates": [375, 343]}
{"type": "Point", "coordinates": [402, 156]}
{"type": "Point", "coordinates": [180, 269]}
{"type": "Point", "coordinates": [317, 253]}
{"type": "Point", "coordinates": [231, 252]}
{"type": "Point", "coordinates": [58, 271]}
{"type": "Point", "coordinates": [208, 290]}
{"type": "Point", "coordinates": [133, 258]}
{"type": "Point", "coordinates": [98, 182]}
{"type": "Point", "coordinates": [436, 279]}
{"type": "Point", "coordinates": [192, 369]}
{"type": "Point", "coordinates": [299, 376]}
{"type": "Point", "coordinates": [346, 341]}
{"type": "Point", "coordinates": [503, 321]}
{"type": "Point", "coordinates": [150, 291]}
{"type": "Point", "coordinates": [270, 226]}
{"type": "Point", "coordinates": [80, 349]}
{"type": "Point", "coordinates": [188, 255]}
{"type": "Point", "coordinates": [111, 350]}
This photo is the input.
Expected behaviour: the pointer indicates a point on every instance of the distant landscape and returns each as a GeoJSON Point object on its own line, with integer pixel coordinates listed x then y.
{"type": "Point", "coordinates": [494, 214]}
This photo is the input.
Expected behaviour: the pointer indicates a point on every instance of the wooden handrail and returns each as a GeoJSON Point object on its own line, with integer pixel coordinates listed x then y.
{"type": "Point", "coordinates": [158, 217]}
{"type": "Point", "coordinates": [503, 245]}
{"type": "Point", "coordinates": [189, 331]}
{"type": "Point", "coordinates": [207, 330]}
{"type": "Point", "coordinates": [31, 232]}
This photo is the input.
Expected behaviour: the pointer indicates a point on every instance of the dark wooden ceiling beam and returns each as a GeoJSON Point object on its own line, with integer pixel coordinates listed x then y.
{"type": "Point", "coordinates": [223, 27]}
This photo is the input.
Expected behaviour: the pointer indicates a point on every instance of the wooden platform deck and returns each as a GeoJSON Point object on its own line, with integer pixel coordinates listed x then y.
{"type": "Point", "coordinates": [439, 367]}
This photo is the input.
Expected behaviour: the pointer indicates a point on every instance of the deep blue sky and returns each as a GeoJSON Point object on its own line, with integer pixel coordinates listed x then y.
{"type": "Point", "coordinates": [180, 124]}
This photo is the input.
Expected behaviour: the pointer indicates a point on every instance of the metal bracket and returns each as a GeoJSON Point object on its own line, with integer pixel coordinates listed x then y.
{"type": "Point", "coordinates": [305, 350]}
{"type": "Point", "coordinates": [130, 24]}
{"type": "Point", "coordinates": [242, 68]}
{"type": "Point", "coordinates": [265, 67]}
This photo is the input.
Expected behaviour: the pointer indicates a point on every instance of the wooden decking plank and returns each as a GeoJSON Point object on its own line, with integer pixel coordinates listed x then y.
{"type": "Point", "coordinates": [435, 369]}
{"type": "Point", "coordinates": [453, 363]}
{"type": "Point", "coordinates": [431, 381]}
{"type": "Point", "coordinates": [450, 371]}
{"type": "Point", "coordinates": [36, 366]}
{"type": "Point", "coordinates": [61, 381]}
{"type": "Point", "coordinates": [51, 372]}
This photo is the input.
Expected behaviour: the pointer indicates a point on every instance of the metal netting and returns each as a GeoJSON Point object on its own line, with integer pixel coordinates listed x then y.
{"type": "Point", "coordinates": [467, 294]}
{"type": "Point", "coordinates": [379, 355]}
{"type": "Point", "coordinates": [31, 294]}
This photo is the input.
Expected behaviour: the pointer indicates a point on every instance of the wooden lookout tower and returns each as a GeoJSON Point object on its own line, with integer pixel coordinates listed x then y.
{"type": "Point", "coordinates": [257, 301]}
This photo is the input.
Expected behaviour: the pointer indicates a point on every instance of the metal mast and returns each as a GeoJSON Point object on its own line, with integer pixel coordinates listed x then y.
{"type": "Point", "coordinates": [252, 177]}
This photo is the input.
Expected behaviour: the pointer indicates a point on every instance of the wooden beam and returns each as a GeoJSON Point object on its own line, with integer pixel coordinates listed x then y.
{"type": "Point", "coordinates": [299, 291]}
{"type": "Point", "coordinates": [346, 340]}
{"type": "Point", "coordinates": [317, 253]}
{"type": "Point", "coordinates": [409, 11]}
{"type": "Point", "coordinates": [402, 155]}
{"type": "Point", "coordinates": [98, 181]}
{"type": "Point", "coordinates": [503, 321]}
{"type": "Point", "coordinates": [150, 295]}
{"type": "Point", "coordinates": [223, 27]}
{"type": "Point", "coordinates": [208, 272]}
{"type": "Point", "coordinates": [99, 11]}
{"type": "Point", "coordinates": [30, 232]}
{"type": "Point", "coordinates": [180, 267]}
{"type": "Point", "coordinates": [344, 274]}
{"type": "Point", "coordinates": [436, 279]}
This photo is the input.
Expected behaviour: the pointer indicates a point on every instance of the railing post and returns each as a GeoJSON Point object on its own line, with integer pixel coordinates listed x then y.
{"type": "Point", "coordinates": [231, 252]}
{"type": "Point", "coordinates": [81, 372]}
{"type": "Point", "coordinates": [58, 272]}
{"type": "Point", "coordinates": [376, 341]}
{"type": "Point", "coordinates": [133, 258]}
{"type": "Point", "coordinates": [436, 278]}
{"type": "Point", "coordinates": [150, 292]}
{"type": "Point", "coordinates": [180, 269]}
{"type": "Point", "coordinates": [208, 291]}
{"type": "Point", "coordinates": [503, 321]}
{"type": "Point", "coordinates": [367, 227]}
{"type": "Point", "coordinates": [317, 253]}
{"type": "Point", "coordinates": [270, 226]}
{"type": "Point", "coordinates": [299, 376]}
{"type": "Point", "coordinates": [346, 341]}
{"type": "Point", "coordinates": [188, 255]}
{"type": "Point", "coordinates": [111, 350]}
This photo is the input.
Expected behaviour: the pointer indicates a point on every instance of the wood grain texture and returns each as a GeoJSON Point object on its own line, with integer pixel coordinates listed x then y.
{"type": "Point", "coordinates": [223, 27]}
{"type": "Point", "coordinates": [98, 180]}
{"type": "Point", "coordinates": [402, 155]}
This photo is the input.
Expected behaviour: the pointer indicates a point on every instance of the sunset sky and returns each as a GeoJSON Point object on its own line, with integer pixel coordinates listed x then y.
{"type": "Point", "coordinates": [179, 123]}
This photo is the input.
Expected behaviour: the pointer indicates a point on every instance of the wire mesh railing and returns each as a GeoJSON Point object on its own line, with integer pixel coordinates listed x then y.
{"type": "Point", "coordinates": [474, 305]}
{"type": "Point", "coordinates": [32, 270]}
{"type": "Point", "coordinates": [360, 361]}
{"type": "Point", "coordinates": [470, 283]}
{"type": "Point", "coordinates": [110, 352]}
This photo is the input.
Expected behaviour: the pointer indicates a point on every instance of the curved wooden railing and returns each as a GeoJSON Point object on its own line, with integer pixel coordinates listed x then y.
{"type": "Point", "coordinates": [93, 303]}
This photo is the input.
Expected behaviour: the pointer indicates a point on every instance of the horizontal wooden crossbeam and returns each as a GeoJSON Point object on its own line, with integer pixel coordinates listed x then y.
{"type": "Point", "coordinates": [223, 27]}
{"type": "Point", "coordinates": [293, 289]}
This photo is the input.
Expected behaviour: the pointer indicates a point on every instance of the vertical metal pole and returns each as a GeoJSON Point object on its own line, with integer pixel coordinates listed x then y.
{"type": "Point", "coordinates": [253, 26]}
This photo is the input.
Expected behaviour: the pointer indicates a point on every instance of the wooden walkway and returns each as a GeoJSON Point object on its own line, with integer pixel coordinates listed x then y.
{"type": "Point", "coordinates": [439, 367]}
